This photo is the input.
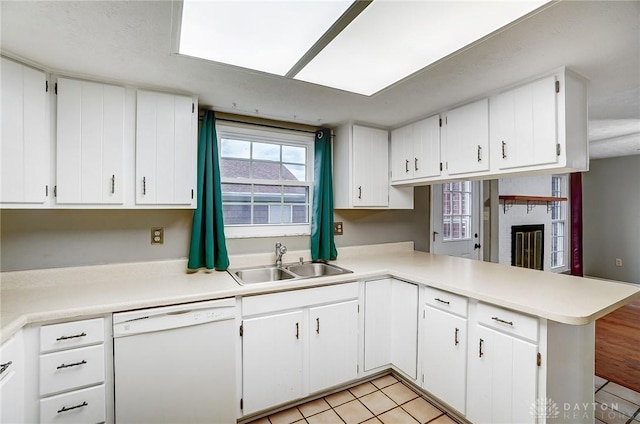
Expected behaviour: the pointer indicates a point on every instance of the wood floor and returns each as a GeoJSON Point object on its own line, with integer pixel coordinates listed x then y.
{"type": "Point", "coordinates": [618, 346]}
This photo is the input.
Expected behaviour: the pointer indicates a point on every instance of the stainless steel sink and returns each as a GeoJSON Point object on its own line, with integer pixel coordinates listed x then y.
{"type": "Point", "coordinates": [297, 271]}
{"type": "Point", "coordinates": [316, 269]}
{"type": "Point", "coordinates": [261, 275]}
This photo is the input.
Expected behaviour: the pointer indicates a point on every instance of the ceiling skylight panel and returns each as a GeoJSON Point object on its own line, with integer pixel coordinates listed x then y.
{"type": "Point", "coordinates": [269, 36]}
{"type": "Point", "coordinates": [391, 40]}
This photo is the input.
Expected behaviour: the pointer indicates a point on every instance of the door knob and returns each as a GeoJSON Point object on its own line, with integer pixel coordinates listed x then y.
{"type": "Point", "coordinates": [476, 246]}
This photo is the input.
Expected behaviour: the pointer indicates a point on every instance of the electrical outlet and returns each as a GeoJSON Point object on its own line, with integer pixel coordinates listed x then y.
{"type": "Point", "coordinates": [618, 262]}
{"type": "Point", "coordinates": [337, 228]}
{"type": "Point", "coordinates": [157, 235]}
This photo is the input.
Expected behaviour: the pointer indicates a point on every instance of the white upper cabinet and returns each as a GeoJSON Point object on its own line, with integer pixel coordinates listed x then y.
{"type": "Point", "coordinates": [361, 171]}
{"type": "Point", "coordinates": [465, 138]}
{"type": "Point", "coordinates": [541, 125]}
{"type": "Point", "coordinates": [166, 149]}
{"type": "Point", "coordinates": [90, 139]}
{"type": "Point", "coordinates": [24, 142]}
{"type": "Point", "coordinates": [415, 150]}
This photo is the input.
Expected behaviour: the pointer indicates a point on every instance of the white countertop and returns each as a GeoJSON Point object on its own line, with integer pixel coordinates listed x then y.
{"type": "Point", "coordinates": [71, 293]}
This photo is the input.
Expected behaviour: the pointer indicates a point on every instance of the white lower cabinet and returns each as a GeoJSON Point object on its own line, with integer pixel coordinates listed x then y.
{"type": "Point", "coordinates": [502, 386]}
{"type": "Point", "coordinates": [444, 347]}
{"type": "Point", "coordinates": [12, 380]}
{"type": "Point", "coordinates": [391, 325]}
{"type": "Point", "coordinates": [297, 343]}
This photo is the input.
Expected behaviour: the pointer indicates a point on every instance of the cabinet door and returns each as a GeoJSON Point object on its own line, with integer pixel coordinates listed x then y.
{"type": "Point", "coordinates": [502, 383]}
{"type": "Point", "coordinates": [24, 142]}
{"type": "Point", "coordinates": [402, 145]}
{"type": "Point", "coordinates": [271, 360]}
{"type": "Point", "coordinates": [467, 138]}
{"type": "Point", "coordinates": [12, 380]}
{"type": "Point", "coordinates": [166, 155]}
{"type": "Point", "coordinates": [445, 357]}
{"type": "Point", "coordinates": [333, 345]}
{"type": "Point", "coordinates": [426, 147]}
{"type": "Point", "coordinates": [377, 324]}
{"type": "Point", "coordinates": [523, 125]}
{"type": "Point", "coordinates": [370, 158]}
{"type": "Point", "coordinates": [90, 139]}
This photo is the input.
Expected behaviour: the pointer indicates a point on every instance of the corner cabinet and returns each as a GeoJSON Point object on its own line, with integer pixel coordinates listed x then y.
{"type": "Point", "coordinates": [89, 143]}
{"type": "Point", "coordinates": [12, 380]}
{"type": "Point", "coordinates": [361, 171]}
{"type": "Point", "coordinates": [24, 143]}
{"type": "Point", "coordinates": [415, 150]}
{"type": "Point", "coordinates": [297, 343]}
{"type": "Point", "coordinates": [166, 149]}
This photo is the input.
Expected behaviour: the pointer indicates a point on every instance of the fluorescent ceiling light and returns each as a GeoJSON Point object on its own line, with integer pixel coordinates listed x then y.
{"type": "Point", "coordinates": [269, 36]}
{"type": "Point", "coordinates": [391, 40]}
{"type": "Point", "coordinates": [384, 43]}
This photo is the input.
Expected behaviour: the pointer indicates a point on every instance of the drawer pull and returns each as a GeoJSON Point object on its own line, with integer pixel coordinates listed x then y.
{"type": "Point", "coordinates": [5, 366]}
{"type": "Point", "coordinates": [75, 336]}
{"type": "Point", "coordinates": [75, 364]}
{"type": "Point", "coordinates": [446, 302]}
{"type": "Point", "coordinates": [71, 408]}
{"type": "Point", "coordinates": [502, 321]}
{"type": "Point", "coordinates": [480, 352]}
{"type": "Point", "coordinates": [455, 337]}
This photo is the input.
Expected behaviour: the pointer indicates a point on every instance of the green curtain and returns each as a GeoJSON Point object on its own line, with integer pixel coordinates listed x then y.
{"type": "Point", "coordinates": [208, 247]}
{"type": "Point", "coordinates": [322, 243]}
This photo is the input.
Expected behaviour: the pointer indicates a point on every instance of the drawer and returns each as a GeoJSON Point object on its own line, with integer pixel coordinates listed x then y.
{"type": "Point", "coordinates": [254, 305]}
{"type": "Point", "coordinates": [70, 369]}
{"type": "Point", "coordinates": [86, 406]}
{"type": "Point", "coordinates": [71, 334]}
{"type": "Point", "coordinates": [508, 321]}
{"type": "Point", "coordinates": [446, 301]}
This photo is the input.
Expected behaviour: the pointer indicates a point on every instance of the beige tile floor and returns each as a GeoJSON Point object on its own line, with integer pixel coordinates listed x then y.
{"type": "Point", "coordinates": [616, 404]}
{"type": "Point", "coordinates": [384, 400]}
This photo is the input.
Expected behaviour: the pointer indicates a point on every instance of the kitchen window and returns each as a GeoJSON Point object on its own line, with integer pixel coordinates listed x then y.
{"type": "Point", "coordinates": [267, 180]}
{"type": "Point", "coordinates": [559, 237]}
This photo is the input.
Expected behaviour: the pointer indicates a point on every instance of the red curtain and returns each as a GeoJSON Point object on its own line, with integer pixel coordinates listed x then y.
{"type": "Point", "coordinates": [575, 191]}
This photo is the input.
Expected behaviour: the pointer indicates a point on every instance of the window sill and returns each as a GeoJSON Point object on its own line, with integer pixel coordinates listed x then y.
{"type": "Point", "coordinates": [256, 231]}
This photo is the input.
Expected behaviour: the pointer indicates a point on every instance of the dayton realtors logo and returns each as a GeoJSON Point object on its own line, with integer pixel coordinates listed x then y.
{"type": "Point", "coordinates": [544, 408]}
{"type": "Point", "coordinates": [549, 409]}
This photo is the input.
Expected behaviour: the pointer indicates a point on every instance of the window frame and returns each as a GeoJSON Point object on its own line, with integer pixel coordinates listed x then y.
{"type": "Point", "coordinates": [264, 134]}
{"type": "Point", "coordinates": [449, 218]}
{"type": "Point", "coordinates": [564, 218]}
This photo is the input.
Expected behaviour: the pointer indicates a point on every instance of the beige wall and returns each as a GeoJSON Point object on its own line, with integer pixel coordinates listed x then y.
{"type": "Point", "coordinates": [611, 218]}
{"type": "Point", "coordinates": [34, 239]}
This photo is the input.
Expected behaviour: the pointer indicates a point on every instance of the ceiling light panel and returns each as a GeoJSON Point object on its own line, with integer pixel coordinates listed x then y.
{"type": "Point", "coordinates": [391, 40]}
{"type": "Point", "coordinates": [269, 36]}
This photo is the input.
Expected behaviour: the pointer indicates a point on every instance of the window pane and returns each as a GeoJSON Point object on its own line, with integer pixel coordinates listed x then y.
{"type": "Point", "coordinates": [236, 193]}
{"type": "Point", "coordinates": [299, 214]}
{"type": "Point", "coordinates": [260, 214]}
{"type": "Point", "coordinates": [266, 151]}
{"type": "Point", "coordinates": [235, 148]}
{"type": "Point", "coordinates": [296, 195]}
{"type": "Point", "coordinates": [236, 214]}
{"type": "Point", "coordinates": [294, 154]}
{"type": "Point", "coordinates": [279, 214]}
{"type": "Point", "coordinates": [294, 172]}
{"type": "Point", "coordinates": [266, 171]}
{"type": "Point", "coordinates": [447, 230]}
{"type": "Point", "coordinates": [233, 168]}
{"type": "Point", "coordinates": [267, 194]}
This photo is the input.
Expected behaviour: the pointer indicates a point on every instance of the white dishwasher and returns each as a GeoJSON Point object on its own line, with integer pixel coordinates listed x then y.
{"type": "Point", "coordinates": [176, 364]}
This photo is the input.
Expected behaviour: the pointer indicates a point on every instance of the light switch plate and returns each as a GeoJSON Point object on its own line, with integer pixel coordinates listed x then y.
{"type": "Point", "coordinates": [157, 235]}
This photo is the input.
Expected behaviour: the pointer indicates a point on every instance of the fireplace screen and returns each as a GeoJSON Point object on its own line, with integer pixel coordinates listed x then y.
{"type": "Point", "coordinates": [527, 246]}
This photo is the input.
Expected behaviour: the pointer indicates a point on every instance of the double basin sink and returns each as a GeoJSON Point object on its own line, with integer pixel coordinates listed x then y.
{"type": "Point", "coordinates": [297, 271]}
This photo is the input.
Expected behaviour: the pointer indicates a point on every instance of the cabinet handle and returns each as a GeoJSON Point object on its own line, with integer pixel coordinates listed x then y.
{"type": "Point", "coordinates": [144, 186]}
{"type": "Point", "coordinates": [70, 408]}
{"type": "Point", "coordinates": [318, 325]}
{"type": "Point", "coordinates": [479, 153]}
{"type": "Point", "coordinates": [446, 302]}
{"type": "Point", "coordinates": [406, 165]}
{"type": "Point", "coordinates": [504, 150]}
{"type": "Point", "coordinates": [415, 163]}
{"type": "Point", "coordinates": [455, 337]}
{"type": "Point", "coordinates": [480, 352]}
{"type": "Point", "coordinates": [75, 336]}
{"type": "Point", "coordinates": [5, 366]}
{"type": "Point", "coordinates": [360, 192]}
{"type": "Point", "coordinates": [502, 321]}
{"type": "Point", "coordinates": [113, 183]}
{"type": "Point", "coordinates": [297, 331]}
{"type": "Point", "coordinates": [75, 364]}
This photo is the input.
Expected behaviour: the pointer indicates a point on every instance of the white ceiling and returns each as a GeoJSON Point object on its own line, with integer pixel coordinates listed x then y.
{"type": "Point", "coordinates": [130, 42]}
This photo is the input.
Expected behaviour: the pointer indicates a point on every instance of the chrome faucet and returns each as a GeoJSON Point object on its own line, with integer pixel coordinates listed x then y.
{"type": "Point", "coordinates": [281, 249]}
